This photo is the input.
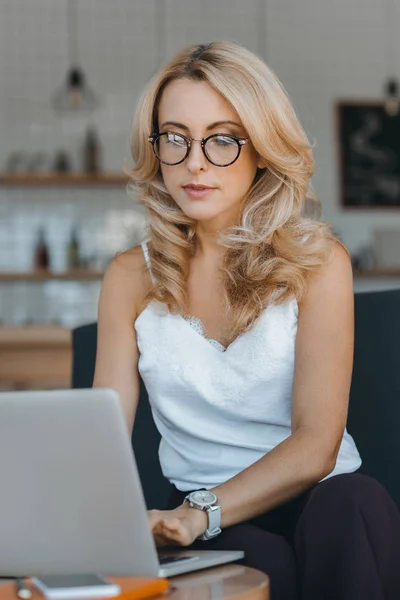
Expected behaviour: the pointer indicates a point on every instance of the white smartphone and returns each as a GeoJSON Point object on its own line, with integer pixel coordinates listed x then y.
{"type": "Point", "coordinates": [63, 587]}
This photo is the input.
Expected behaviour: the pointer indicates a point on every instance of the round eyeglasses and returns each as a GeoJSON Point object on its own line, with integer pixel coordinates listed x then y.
{"type": "Point", "coordinates": [220, 149]}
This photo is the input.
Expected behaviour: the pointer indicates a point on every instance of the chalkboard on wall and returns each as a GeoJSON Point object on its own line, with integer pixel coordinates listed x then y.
{"type": "Point", "coordinates": [369, 155]}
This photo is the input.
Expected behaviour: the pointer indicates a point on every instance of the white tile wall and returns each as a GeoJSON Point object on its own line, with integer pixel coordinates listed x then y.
{"type": "Point", "coordinates": [198, 22]}
{"type": "Point", "coordinates": [324, 51]}
{"type": "Point", "coordinates": [117, 52]}
{"type": "Point", "coordinates": [320, 50]}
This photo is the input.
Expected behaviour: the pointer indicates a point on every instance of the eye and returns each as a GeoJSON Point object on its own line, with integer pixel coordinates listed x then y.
{"type": "Point", "coordinates": [175, 139]}
{"type": "Point", "coordinates": [223, 140]}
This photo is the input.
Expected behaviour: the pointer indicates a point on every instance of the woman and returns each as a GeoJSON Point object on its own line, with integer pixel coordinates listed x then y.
{"type": "Point", "coordinates": [238, 314]}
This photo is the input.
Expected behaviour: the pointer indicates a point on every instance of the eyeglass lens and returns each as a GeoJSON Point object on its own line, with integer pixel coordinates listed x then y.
{"type": "Point", "coordinates": [220, 150]}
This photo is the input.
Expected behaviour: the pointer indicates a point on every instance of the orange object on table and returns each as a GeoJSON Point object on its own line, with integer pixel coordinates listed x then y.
{"type": "Point", "coordinates": [132, 588]}
{"type": "Point", "coordinates": [135, 588]}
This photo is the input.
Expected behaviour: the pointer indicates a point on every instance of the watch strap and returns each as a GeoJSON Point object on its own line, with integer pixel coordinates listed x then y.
{"type": "Point", "coordinates": [214, 522]}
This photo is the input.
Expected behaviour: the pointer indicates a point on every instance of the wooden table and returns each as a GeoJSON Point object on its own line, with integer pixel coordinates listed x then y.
{"type": "Point", "coordinates": [233, 582]}
{"type": "Point", "coordinates": [228, 582]}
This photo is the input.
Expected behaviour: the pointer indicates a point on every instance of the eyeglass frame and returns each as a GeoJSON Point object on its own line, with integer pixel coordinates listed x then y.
{"type": "Point", "coordinates": [239, 140]}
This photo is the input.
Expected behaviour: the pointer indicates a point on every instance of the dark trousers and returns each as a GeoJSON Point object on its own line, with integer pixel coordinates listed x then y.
{"type": "Point", "coordinates": [338, 541]}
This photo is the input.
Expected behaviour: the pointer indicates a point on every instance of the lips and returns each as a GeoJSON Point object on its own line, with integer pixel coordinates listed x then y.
{"type": "Point", "coordinates": [197, 191]}
{"type": "Point", "coordinates": [197, 187]}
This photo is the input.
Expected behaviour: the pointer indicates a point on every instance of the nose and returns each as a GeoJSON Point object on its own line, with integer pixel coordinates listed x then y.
{"type": "Point", "coordinates": [196, 161]}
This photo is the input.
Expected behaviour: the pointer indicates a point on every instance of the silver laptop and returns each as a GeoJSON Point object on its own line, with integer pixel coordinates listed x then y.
{"type": "Point", "coordinates": [71, 499]}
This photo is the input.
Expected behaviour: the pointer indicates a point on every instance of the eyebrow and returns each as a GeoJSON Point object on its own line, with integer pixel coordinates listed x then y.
{"type": "Point", "coordinates": [208, 128]}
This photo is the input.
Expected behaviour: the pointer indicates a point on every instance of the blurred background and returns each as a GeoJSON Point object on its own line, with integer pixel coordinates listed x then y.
{"type": "Point", "coordinates": [70, 74]}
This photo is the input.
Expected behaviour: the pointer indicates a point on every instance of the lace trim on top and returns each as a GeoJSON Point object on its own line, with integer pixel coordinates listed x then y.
{"type": "Point", "coordinates": [199, 328]}
{"type": "Point", "coordinates": [193, 321]}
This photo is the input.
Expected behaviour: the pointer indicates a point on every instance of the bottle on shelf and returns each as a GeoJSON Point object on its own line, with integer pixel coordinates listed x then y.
{"type": "Point", "coordinates": [73, 251]}
{"type": "Point", "coordinates": [41, 256]}
{"type": "Point", "coordinates": [62, 163]}
{"type": "Point", "coordinates": [91, 151]}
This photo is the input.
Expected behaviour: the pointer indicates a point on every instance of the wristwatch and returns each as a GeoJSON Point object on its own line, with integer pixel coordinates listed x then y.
{"type": "Point", "coordinates": [205, 500]}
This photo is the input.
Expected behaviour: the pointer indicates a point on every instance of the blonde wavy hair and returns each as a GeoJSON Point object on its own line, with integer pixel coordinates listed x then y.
{"type": "Point", "coordinates": [274, 246]}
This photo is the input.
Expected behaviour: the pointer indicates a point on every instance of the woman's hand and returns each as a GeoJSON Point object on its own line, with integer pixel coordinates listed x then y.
{"type": "Point", "coordinates": [179, 527]}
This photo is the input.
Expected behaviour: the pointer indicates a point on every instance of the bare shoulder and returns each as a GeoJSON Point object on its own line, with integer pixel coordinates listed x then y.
{"type": "Point", "coordinates": [326, 312]}
{"type": "Point", "coordinates": [122, 293]}
{"type": "Point", "coordinates": [126, 280]}
{"type": "Point", "coordinates": [131, 262]}
{"type": "Point", "coordinates": [331, 284]}
{"type": "Point", "coordinates": [337, 272]}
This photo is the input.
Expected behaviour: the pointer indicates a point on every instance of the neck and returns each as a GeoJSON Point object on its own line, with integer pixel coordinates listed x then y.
{"type": "Point", "coordinates": [208, 233]}
{"type": "Point", "coordinates": [207, 242]}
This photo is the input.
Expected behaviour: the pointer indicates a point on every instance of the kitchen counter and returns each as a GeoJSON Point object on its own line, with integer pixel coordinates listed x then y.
{"type": "Point", "coordinates": [35, 357]}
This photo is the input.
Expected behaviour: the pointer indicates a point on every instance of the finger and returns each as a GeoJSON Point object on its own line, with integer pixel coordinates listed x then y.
{"type": "Point", "coordinates": [167, 532]}
{"type": "Point", "coordinates": [171, 523]}
{"type": "Point", "coordinates": [179, 535]}
{"type": "Point", "coordinates": [169, 537]}
{"type": "Point", "coordinates": [173, 538]}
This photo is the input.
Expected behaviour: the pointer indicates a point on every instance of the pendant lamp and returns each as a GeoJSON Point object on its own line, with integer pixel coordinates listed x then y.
{"type": "Point", "coordinates": [74, 94]}
{"type": "Point", "coordinates": [392, 99]}
{"type": "Point", "coordinates": [391, 87]}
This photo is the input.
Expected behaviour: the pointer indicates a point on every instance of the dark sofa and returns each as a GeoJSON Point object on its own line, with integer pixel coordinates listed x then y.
{"type": "Point", "coordinates": [374, 410]}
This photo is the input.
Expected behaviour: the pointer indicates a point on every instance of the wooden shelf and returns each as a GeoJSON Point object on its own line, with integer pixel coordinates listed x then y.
{"type": "Point", "coordinates": [69, 179]}
{"type": "Point", "coordinates": [377, 272]}
{"type": "Point", "coordinates": [93, 275]}
{"type": "Point", "coordinates": [48, 275]}
{"type": "Point", "coordinates": [84, 274]}
{"type": "Point", "coordinates": [35, 335]}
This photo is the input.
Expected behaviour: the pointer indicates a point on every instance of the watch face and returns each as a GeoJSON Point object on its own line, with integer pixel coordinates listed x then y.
{"type": "Point", "coordinates": [203, 497]}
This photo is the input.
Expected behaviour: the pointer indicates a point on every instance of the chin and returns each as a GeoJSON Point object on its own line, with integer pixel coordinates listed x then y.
{"type": "Point", "coordinates": [200, 209]}
{"type": "Point", "coordinates": [200, 212]}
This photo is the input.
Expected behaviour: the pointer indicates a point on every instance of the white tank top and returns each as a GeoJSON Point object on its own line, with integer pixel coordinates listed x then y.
{"type": "Point", "coordinates": [219, 410]}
